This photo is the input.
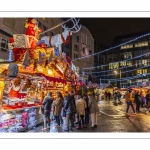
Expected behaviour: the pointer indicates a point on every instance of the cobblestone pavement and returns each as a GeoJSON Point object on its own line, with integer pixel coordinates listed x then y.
{"type": "Point", "coordinates": [111, 118]}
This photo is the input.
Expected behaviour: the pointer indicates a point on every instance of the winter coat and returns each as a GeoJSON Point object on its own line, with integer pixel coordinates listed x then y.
{"type": "Point", "coordinates": [57, 106]}
{"type": "Point", "coordinates": [68, 106]}
{"type": "Point", "coordinates": [47, 102]}
{"type": "Point", "coordinates": [93, 105]}
{"type": "Point", "coordinates": [128, 97]}
{"type": "Point", "coordinates": [137, 99]}
{"type": "Point", "coordinates": [73, 99]}
{"type": "Point", "coordinates": [148, 99]}
{"type": "Point", "coordinates": [81, 105]}
{"type": "Point", "coordinates": [87, 109]}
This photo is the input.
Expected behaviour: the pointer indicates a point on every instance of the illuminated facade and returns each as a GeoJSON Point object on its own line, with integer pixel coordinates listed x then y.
{"type": "Point", "coordinates": [116, 61]}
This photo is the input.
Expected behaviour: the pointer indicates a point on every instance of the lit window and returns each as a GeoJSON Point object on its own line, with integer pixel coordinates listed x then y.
{"type": "Point", "coordinates": [141, 44]}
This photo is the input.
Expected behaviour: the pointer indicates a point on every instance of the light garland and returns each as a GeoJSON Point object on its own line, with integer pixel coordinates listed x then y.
{"type": "Point", "coordinates": [56, 26]}
{"type": "Point", "coordinates": [118, 68]}
{"type": "Point", "coordinates": [128, 78]}
{"type": "Point", "coordinates": [124, 71]}
{"type": "Point", "coordinates": [144, 35]}
{"type": "Point", "coordinates": [119, 61]}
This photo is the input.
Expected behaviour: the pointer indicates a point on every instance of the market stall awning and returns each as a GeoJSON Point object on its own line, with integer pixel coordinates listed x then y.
{"type": "Point", "coordinates": [52, 78]}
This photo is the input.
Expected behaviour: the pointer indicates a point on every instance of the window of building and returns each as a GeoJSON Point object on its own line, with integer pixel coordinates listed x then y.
{"type": "Point", "coordinates": [4, 45]}
{"type": "Point", "coordinates": [129, 63]}
{"type": "Point", "coordinates": [126, 46]}
{"type": "Point", "coordinates": [141, 44]}
{"type": "Point", "coordinates": [77, 38]}
{"type": "Point", "coordinates": [144, 71]}
{"type": "Point", "coordinates": [76, 47]}
{"type": "Point", "coordinates": [127, 55]}
{"type": "Point", "coordinates": [90, 52]}
{"type": "Point", "coordinates": [114, 65]}
{"type": "Point", "coordinates": [123, 63]}
{"type": "Point", "coordinates": [76, 56]}
{"type": "Point", "coordinates": [140, 63]}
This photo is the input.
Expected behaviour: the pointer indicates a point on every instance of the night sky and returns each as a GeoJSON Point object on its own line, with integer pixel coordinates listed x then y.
{"type": "Point", "coordinates": [106, 29]}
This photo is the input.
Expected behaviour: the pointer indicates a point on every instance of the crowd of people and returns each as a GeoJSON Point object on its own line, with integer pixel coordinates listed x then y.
{"type": "Point", "coordinates": [70, 110]}
{"type": "Point", "coordinates": [140, 99]}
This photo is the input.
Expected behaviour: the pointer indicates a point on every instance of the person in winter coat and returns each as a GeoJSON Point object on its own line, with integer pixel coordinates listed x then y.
{"type": "Point", "coordinates": [94, 109]}
{"type": "Point", "coordinates": [68, 110]}
{"type": "Point", "coordinates": [138, 101]}
{"type": "Point", "coordinates": [129, 101]}
{"type": "Point", "coordinates": [148, 100]}
{"type": "Point", "coordinates": [119, 96]}
{"type": "Point", "coordinates": [115, 97]}
{"type": "Point", "coordinates": [80, 106]}
{"type": "Point", "coordinates": [87, 109]}
{"type": "Point", "coordinates": [73, 99]}
{"type": "Point", "coordinates": [47, 102]}
{"type": "Point", "coordinates": [143, 96]}
{"type": "Point", "coordinates": [57, 107]}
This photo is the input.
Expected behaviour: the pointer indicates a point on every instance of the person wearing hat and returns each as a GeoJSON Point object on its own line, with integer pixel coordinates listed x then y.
{"type": "Point", "coordinates": [94, 109]}
{"type": "Point", "coordinates": [129, 101]}
{"type": "Point", "coordinates": [48, 100]}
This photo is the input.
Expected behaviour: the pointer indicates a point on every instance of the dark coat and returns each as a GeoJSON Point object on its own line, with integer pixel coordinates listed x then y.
{"type": "Point", "coordinates": [73, 99]}
{"type": "Point", "coordinates": [137, 99]}
{"type": "Point", "coordinates": [147, 98]}
{"type": "Point", "coordinates": [47, 103]}
{"type": "Point", "coordinates": [68, 106]}
{"type": "Point", "coordinates": [87, 109]}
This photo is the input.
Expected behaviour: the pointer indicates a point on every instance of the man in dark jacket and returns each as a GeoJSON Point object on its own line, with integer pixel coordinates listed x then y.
{"type": "Point", "coordinates": [48, 100]}
{"type": "Point", "coordinates": [73, 99]}
{"type": "Point", "coordinates": [138, 101]}
{"type": "Point", "coordinates": [87, 109]}
{"type": "Point", "coordinates": [68, 110]}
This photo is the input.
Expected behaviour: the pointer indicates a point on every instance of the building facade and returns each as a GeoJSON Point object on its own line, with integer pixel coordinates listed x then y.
{"type": "Point", "coordinates": [129, 64]}
{"type": "Point", "coordinates": [99, 61]}
{"type": "Point", "coordinates": [82, 45]}
{"type": "Point", "coordinates": [10, 26]}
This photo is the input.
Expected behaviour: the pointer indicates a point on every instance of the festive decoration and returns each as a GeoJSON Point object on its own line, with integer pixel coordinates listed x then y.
{"type": "Point", "coordinates": [26, 60]}
{"type": "Point", "coordinates": [12, 70]}
{"type": "Point", "coordinates": [32, 32]}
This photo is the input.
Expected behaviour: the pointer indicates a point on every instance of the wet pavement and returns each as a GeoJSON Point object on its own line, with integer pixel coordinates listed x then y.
{"type": "Point", "coordinates": [111, 118]}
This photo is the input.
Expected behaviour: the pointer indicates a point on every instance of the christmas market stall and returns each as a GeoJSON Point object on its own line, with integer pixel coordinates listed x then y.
{"type": "Point", "coordinates": [34, 68]}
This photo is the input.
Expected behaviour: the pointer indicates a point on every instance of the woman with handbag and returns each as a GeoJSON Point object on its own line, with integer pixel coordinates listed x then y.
{"type": "Point", "coordinates": [46, 105]}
